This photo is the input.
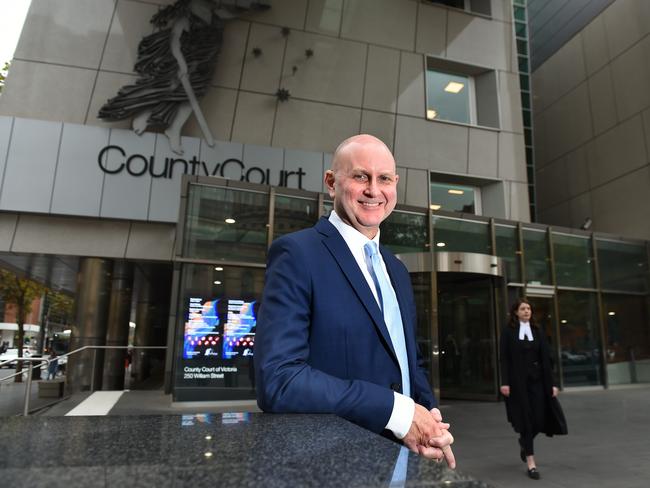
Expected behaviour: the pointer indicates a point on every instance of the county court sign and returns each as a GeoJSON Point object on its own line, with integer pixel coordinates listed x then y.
{"type": "Point", "coordinates": [232, 168]}
{"type": "Point", "coordinates": [83, 170]}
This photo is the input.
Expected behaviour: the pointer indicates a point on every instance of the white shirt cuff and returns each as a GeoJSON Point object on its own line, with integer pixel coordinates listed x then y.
{"type": "Point", "coordinates": [402, 416]}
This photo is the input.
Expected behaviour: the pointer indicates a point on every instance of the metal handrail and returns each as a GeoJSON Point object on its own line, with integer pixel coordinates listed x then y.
{"type": "Point", "coordinates": [30, 360]}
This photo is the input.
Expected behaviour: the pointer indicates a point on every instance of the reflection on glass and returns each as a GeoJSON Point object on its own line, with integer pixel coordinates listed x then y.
{"type": "Point", "coordinates": [623, 266]}
{"type": "Point", "coordinates": [404, 232]}
{"type": "Point", "coordinates": [455, 235]}
{"type": "Point", "coordinates": [292, 214]}
{"type": "Point", "coordinates": [628, 338]}
{"type": "Point", "coordinates": [573, 261]}
{"type": "Point", "coordinates": [453, 198]}
{"type": "Point", "coordinates": [447, 96]}
{"type": "Point", "coordinates": [197, 418]}
{"type": "Point", "coordinates": [422, 294]}
{"type": "Point", "coordinates": [579, 338]}
{"type": "Point", "coordinates": [507, 247]}
{"type": "Point", "coordinates": [466, 335]}
{"type": "Point", "coordinates": [226, 224]}
{"type": "Point", "coordinates": [543, 311]}
{"type": "Point", "coordinates": [235, 417]}
{"type": "Point", "coordinates": [536, 258]}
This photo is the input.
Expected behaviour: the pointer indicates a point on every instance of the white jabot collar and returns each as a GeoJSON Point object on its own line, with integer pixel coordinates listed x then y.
{"type": "Point", "coordinates": [525, 331]}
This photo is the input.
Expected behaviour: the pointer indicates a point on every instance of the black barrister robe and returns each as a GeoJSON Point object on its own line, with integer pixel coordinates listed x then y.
{"type": "Point", "coordinates": [513, 373]}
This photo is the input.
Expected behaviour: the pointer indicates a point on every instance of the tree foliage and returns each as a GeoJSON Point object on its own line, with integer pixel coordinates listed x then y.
{"type": "Point", "coordinates": [3, 75]}
{"type": "Point", "coordinates": [20, 292]}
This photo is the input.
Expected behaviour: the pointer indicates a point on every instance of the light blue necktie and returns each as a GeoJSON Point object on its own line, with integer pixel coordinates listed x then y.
{"type": "Point", "coordinates": [390, 309]}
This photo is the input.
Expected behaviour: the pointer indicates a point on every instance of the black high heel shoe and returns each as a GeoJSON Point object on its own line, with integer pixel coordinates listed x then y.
{"type": "Point", "coordinates": [533, 474]}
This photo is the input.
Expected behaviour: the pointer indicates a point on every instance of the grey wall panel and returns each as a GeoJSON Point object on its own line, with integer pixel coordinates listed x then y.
{"type": "Point", "coordinates": [126, 196]}
{"type": "Point", "coordinates": [493, 200]}
{"type": "Point", "coordinates": [70, 236]}
{"type": "Point", "coordinates": [311, 163]}
{"type": "Point", "coordinates": [264, 158]}
{"type": "Point", "coordinates": [7, 229]}
{"type": "Point", "coordinates": [78, 180]}
{"type": "Point", "coordinates": [417, 188]}
{"type": "Point", "coordinates": [166, 190]}
{"type": "Point", "coordinates": [222, 151]}
{"type": "Point", "coordinates": [151, 241]}
{"type": "Point", "coordinates": [30, 166]}
{"type": "Point", "coordinates": [5, 134]}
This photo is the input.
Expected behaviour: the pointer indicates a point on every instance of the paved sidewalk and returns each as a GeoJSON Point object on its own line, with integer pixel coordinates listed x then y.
{"type": "Point", "coordinates": [608, 443]}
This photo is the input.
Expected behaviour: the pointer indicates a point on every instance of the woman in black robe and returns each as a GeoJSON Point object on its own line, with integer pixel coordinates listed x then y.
{"type": "Point", "coordinates": [527, 383]}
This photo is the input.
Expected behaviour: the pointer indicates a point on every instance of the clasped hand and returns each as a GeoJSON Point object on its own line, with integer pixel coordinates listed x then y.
{"type": "Point", "coordinates": [429, 436]}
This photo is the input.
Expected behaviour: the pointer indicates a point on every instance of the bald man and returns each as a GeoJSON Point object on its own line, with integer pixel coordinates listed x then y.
{"type": "Point", "coordinates": [336, 328]}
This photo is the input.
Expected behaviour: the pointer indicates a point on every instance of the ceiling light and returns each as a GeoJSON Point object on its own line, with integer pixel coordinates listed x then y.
{"type": "Point", "coordinates": [230, 221]}
{"type": "Point", "coordinates": [435, 206]}
{"type": "Point", "coordinates": [564, 321]}
{"type": "Point", "coordinates": [431, 114]}
{"type": "Point", "coordinates": [440, 244]}
{"type": "Point", "coordinates": [611, 313]}
{"type": "Point", "coordinates": [455, 192]}
{"type": "Point", "coordinates": [454, 87]}
{"type": "Point", "coordinates": [218, 268]}
{"type": "Point", "coordinates": [217, 282]}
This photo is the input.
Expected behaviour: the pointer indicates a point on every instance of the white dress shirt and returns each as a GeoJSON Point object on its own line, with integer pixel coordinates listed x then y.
{"type": "Point", "coordinates": [524, 331]}
{"type": "Point", "coordinates": [403, 407]}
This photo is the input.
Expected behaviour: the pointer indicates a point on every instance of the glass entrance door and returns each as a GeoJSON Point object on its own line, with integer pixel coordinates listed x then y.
{"type": "Point", "coordinates": [467, 335]}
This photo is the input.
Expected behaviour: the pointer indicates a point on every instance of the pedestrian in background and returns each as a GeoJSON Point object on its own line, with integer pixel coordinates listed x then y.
{"type": "Point", "coordinates": [527, 383]}
{"type": "Point", "coordinates": [52, 365]}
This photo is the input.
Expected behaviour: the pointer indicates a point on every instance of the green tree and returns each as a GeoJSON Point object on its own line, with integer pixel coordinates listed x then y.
{"type": "Point", "coordinates": [20, 292]}
{"type": "Point", "coordinates": [3, 75]}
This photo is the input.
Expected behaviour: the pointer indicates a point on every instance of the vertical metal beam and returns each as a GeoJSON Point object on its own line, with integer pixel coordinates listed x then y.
{"type": "Point", "coordinates": [270, 227]}
{"type": "Point", "coordinates": [601, 313]}
{"type": "Point", "coordinates": [433, 319]}
{"type": "Point", "coordinates": [556, 311]}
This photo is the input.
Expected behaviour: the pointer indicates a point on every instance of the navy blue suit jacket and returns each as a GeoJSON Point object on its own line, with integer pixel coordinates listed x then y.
{"type": "Point", "coordinates": [321, 343]}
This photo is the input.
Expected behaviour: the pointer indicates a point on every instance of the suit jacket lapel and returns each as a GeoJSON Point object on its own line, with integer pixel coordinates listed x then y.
{"type": "Point", "coordinates": [341, 253]}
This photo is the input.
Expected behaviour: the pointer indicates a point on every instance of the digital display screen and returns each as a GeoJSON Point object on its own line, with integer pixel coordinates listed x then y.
{"type": "Point", "coordinates": [219, 328]}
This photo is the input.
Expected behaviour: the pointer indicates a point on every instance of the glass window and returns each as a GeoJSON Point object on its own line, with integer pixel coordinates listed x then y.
{"type": "Point", "coordinates": [508, 250]}
{"type": "Point", "coordinates": [454, 198]}
{"type": "Point", "coordinates": [573, 261]}
{"type": "Point", "coordinates": [448, 96]}
{"type": "Point", "coordinates": [405, 232]}
{"type": "Point", "coordinates": [524, 83]}
{"type": "Point", "coordinates": [292, 214]}
{"type": "Point", "coordinates": [226, 224]}
{"type": "Point", "coordinates": [455, 235]}
{"type": "Point", "coordinates": [623, 266]}
{"type": "Point", "coordinates": [220, 306]}
{"type": "Point", "coordinates": [522, 46]}
{"type": "Point", "coordinates": [536, 257]}
{"type": "Point", "coordinates": [628, 338]}
{"type": "Point", "coordinates": [520, 29]}
{"type": "Point", "coordinates": [579, 338]}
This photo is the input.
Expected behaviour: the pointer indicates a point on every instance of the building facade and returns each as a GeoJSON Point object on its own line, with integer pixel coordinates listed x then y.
{"type": "Point", "coordinates": [172, 237]}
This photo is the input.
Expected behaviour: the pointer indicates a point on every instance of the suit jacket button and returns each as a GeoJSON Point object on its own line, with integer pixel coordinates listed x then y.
{"type": "Point", "coordinates": [396, 387]}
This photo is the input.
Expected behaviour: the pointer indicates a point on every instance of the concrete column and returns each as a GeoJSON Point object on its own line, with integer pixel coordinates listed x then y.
{"type": "Point", "coordinates": [93, 293]}
{"type": "Point", "coordinates": [117, 333]}
{"type": "Point", "coordinates": [143, 326]}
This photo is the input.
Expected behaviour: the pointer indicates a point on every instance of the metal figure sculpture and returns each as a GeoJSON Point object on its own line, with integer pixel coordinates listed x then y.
{"type": "Point", "coordinates": [175, 65]}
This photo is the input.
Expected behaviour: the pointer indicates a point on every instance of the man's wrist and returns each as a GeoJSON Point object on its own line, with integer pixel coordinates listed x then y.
{"type": "Point", "coordinates": [401, 417]}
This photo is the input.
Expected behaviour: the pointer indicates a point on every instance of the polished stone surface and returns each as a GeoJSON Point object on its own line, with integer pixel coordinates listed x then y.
{"type": "Point", "coordinates": [225, 449]}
